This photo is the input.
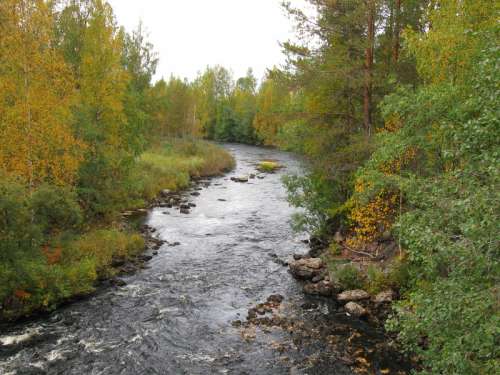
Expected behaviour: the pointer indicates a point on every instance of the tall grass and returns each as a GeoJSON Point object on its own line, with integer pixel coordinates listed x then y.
{"type": "Point", "coordinates": [172, 164]}
{"type": "Point", "coordinates": [57, 256]}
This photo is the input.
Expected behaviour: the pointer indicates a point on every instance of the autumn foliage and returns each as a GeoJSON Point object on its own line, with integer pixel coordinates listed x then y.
{"type": "Point", "coordinates": [78, 111]}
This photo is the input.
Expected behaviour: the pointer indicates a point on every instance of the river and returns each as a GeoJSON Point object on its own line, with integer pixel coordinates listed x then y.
{"type": "Point", "coordinates": [175, 316]}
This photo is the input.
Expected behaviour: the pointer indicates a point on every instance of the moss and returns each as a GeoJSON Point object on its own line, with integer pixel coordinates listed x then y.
{"type": "Point", "coordinates": [268, 166]}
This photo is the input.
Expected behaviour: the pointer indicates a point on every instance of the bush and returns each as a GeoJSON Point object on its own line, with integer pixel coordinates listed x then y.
{"type": "Point", "coordinates": [103, 245]}
{"type": "Point", "coordinates": [347, 276]}
{"type": "Point", "coordinates": [449, 314]}
{"type": "Point", "coordinates": [19, 234]}
{"type": "Point", "coordinates": [393, 276]}
{"type": "Point", "coordinates": [56, 208]}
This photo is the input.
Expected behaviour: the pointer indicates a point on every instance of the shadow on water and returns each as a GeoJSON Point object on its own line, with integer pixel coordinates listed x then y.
{"type": "Point", "coordinates": [176, 316]}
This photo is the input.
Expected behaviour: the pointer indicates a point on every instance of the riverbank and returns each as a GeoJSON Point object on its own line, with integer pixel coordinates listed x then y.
{"type": "Point", "coordinates": [213, 266]}
{"type": "Point", "coordinates": [72, 260]}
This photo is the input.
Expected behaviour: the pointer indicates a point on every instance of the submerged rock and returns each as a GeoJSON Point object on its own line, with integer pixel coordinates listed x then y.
{"type": "Point", "coordinates": [306, 268]}
{"type": "Point", "coordinates": [118, 282]}
{"type": "Point", "coordinates": [354, 309]}
{"type": "Point", "coordinates": [184, 210]}
{"type": "Point", "coordinates": [309, 306]}
{"type": "Point", "coordinates": [275, 298]}
{"type": "Point", "coordinates": [353, 295]}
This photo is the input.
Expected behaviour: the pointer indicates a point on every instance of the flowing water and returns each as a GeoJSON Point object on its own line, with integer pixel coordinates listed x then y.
{"type": "Point", "coordinates": [174, 317]}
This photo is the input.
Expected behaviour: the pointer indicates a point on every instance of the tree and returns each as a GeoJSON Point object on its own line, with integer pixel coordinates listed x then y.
{"type": "Point", "coordinates": [212, 91]}
{"type": "Point", "coordinates": [94, 46]}
{"type": "Point", "coordinates": [244, 103]}
{"type": "Point", "coordinates": [36, 93]}
{"type": "Point", "coordinates": [369, 52]}
{"type": "Point", "coordinates": [140, 61]}
{"type": "Point", "coordinates": [272, 104]}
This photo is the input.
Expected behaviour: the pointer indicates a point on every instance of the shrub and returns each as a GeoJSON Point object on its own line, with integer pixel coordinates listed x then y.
{"type": "Point", "coordinates": [19, 234]}
{"type": "Point", "coordinates": [103, 245]}
{"type": "Point", "coordinates": [347, 276]}
{"type": "Point", "coordinates": [55, 208]}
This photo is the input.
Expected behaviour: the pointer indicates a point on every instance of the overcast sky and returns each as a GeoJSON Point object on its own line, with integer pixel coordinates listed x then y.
{"type": "Point", "coordinates": [191, 34]}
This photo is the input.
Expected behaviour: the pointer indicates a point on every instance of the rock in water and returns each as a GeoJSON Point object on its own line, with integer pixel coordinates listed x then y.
{"type": "Point", "coordinates": [275, 298]}
{"type": "Point", "coordinates": [354, 309]}
{"type": "Point", "coordinates": [306, 268]}
{"type": "Point", "coordinates": [353, 295]}
{"type": "Point", "coordinates": [239, 179]}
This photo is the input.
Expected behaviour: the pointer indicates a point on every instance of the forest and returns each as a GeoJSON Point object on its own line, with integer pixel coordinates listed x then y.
{"type": "Point", "coordinates": [393, 103]}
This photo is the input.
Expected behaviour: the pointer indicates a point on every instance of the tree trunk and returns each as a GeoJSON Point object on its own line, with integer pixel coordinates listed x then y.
{"type": "Point", "coordinates": [397, 32]}
{"type": "Point", "coordinates": [367, 104]}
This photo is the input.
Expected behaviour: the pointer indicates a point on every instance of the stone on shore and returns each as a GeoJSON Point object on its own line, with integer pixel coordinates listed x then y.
{"type": "Point", "coordinates": [352, 295]}
{"type": "Point", "coordinates": [306, 268]}
{"type": "Point", "coordinates": [354, 309]}
{"type": "Point", "coordinates": [384, 297]}
{"type": "Point", "coordinates": [322, 288]}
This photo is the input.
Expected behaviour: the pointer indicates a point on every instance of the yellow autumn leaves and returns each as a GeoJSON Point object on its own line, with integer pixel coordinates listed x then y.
{"type": "Point", "coordinates": [36, 93]}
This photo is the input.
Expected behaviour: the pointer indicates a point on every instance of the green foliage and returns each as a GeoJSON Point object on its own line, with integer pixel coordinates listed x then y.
{"type": "Point", "coordinates": [393, 276]}
{"type": "Point", "coordinates": [268, 166]}
{"type": "Point", "coordinates": [439, 148]}
{"type": "Point", "coordinates": [226, 109]}
{"type": "Point", "coordinates": [171, 165]}
{"type": "Point", "coordinates": [312, 193]}
{"type": "Point", "coordinates": [101, 246]}
{"type": "Point", "coordinates": [18, 235]}
{"type": "Point", "coordinates": [55, 208]}
{"type": "Point", "coordinates": [347, 276]}
{"type": "Point", "coordinates": [74, 156]}
{"type": "Point", "coordinates": [449, 316]}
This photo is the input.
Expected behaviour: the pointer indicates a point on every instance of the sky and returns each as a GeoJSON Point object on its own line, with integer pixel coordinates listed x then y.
{"type": "Point", "coordinates": [189, 35]}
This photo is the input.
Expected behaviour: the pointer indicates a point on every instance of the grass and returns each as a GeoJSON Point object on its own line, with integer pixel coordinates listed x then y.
{"type": "Point", "coordinates": [171, 166]}
{"type": "Point", "coordinates": [68, 262]}
{"type": "Point", "coordinates": [268, 166]}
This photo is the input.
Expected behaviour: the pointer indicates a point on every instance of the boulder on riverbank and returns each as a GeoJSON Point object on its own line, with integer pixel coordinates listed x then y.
{"type": "Point", "coordinates": [384, 297]}
{"type": "Point", "coordinates": [354, 309]}
{"type": "Point", "coordinates": [322, 288]}
{"type": "Point", "coordinates": [306, 269]}
{"type": "Point", "coordinates": [353, 295]}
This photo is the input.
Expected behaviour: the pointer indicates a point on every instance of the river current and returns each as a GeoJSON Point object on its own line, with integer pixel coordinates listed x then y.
{"type": "Point", "coordinates": [175, 316]}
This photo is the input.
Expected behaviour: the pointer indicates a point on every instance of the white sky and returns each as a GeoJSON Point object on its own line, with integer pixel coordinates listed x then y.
{"type": "Point", "coordinates": [191, 34]}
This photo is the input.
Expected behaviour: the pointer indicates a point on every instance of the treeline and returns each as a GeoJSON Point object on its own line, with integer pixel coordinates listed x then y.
{"type": "Point", "coordinates": [78, 111]}
{"type": "Point", "coordinates": [395, 105]}
{"type": "Point", "coordinates": [214, 105]}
